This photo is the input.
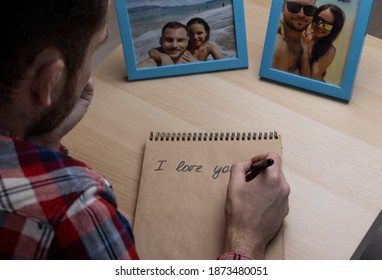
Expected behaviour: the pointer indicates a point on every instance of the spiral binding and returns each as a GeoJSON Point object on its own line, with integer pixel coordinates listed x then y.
{"type": "Point", "coordinates": [212, 136]}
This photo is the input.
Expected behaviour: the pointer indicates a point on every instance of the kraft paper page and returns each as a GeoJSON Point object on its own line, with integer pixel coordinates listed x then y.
{"type": "Point", "coordinates": [180, 207]}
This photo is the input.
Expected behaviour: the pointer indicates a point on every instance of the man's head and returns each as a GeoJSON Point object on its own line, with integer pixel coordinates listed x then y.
{"type": "Point", "coordinates": [298, 14]}
{"type": "Point", "coordinates": [45, 57]}
{"type": "Point", "coordinates": [174, 39]}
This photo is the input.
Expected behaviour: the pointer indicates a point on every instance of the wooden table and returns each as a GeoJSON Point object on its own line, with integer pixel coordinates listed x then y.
{"type": "Point", "coordinates": [332, 151]}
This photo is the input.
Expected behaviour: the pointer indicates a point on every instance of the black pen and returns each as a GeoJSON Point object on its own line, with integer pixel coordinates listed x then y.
{"type": "Point", "coordinates": [257, 167]}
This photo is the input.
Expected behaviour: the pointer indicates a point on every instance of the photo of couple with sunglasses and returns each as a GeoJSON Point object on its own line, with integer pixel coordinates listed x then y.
{"type": "Point", "coordinates": [311, 41]}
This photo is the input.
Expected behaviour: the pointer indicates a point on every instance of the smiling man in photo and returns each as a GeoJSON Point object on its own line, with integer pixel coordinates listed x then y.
{"type": "Point", "coordinates": [297, 15]}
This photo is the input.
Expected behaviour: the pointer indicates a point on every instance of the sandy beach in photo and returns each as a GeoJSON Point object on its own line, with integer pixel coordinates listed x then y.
{"type": "Point", "coordinates": [146, 24]}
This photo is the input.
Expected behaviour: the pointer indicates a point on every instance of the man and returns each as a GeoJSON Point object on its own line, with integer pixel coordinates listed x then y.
{"type": "Point", "coordinates": [173, 47]}
{"type": "Point", "coordinates": [55, 207]}
{"type": "Point", "coordinates": [52, 206]}
{"type": "Point", "coordinates": [297, 15]}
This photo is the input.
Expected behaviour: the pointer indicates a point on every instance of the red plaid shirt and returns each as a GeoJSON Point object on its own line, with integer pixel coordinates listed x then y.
{"type": "Point", "coordinates": [55, 207]}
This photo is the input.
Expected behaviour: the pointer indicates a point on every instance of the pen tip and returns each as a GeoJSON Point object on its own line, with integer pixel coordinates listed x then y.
{"type": "Point", "coordinates": [270, 161]}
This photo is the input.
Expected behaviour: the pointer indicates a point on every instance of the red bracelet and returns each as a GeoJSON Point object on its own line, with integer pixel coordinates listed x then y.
{"type": "Point", "coordinates": [233, 256]}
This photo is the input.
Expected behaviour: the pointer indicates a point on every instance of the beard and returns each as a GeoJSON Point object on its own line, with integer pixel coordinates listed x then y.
{"type": "Point", "coordinates": [56, 114]}
{"type": "Point", "coordinates": [294, 26]}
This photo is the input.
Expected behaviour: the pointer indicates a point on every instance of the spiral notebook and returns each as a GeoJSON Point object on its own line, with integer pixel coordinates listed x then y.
{"type": "Point", "coordinates": [182, 193]}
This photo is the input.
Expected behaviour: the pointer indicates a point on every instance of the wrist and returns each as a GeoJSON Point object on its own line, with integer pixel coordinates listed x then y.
{"type": "Point", "coordinates": [233, 256]}
{"type": "Point", "coordinates": [243, 246]}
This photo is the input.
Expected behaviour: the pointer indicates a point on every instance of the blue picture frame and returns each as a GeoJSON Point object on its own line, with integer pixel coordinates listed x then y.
{"type": "Point", "coordinates": [342, 89]}
{"type": "Point", "coordinates": [129, 35]}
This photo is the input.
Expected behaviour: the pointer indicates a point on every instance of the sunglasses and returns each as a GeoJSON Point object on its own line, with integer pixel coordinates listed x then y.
{"type": "Point", "coordinates": [295, 8]}
{"type": "Point", "coordinates": [328, 26]}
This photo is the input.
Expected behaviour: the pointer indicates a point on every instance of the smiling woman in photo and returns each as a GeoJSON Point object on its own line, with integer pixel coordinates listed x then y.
{"type": "Point", "coordinates": [317, 41]}
{"type": "Point", "coordinates": [200, 47]}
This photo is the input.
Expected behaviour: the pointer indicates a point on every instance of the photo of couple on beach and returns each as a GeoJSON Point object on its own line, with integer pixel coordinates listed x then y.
{"type": "Point", "coordinates": [313, 38]}
{"type": "Point", "coordinates": [169, 32]}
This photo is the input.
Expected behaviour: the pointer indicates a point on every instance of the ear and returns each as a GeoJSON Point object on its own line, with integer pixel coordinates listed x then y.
{"type": "Point", "coordinates": [47, 73]}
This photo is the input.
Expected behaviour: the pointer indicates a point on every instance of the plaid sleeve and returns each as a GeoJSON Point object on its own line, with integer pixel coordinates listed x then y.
{"type": "Point", "coordinates": [93, 229]}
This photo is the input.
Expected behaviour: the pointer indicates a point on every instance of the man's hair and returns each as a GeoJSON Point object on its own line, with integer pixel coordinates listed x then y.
{"type": "Point", "coordinates": [30, 26]}
{"type": "Point", "coordinates": [173, 25]}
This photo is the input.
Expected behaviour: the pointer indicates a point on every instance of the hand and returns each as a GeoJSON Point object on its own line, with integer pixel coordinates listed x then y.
{"type": "Point", "coordinates": [307, 43]}
{"type": "Point", "coordinates": [53, 139]}
{"type": "Point", "coordinates": [281, 30]}
{"type": "Point", "coordinates": [187, 57]}
{"type": "Point", "coordinates": [160, 57]}
{"type": "Point", "coordinates": [255, 210]}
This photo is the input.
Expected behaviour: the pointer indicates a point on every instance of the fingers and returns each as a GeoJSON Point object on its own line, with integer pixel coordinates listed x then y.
{"type": "Point", "coordinates": [276, 158]}
{"type": "Point", "coordinates": [187, 56]}
{"type": "Point", "coordinates": [275, 172]}
{"type": "Point", "coordinates": [275, 168]}
{"type": "Point", "coordinates": [239, 171]}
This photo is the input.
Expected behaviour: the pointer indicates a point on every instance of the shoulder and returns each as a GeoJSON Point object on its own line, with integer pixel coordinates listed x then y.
{"type": "Point", "coordinates": [332, 51]}
{"type": "Point", "coordinates": [211, 46]}
{"type": "Point", "coordinates": [280, 49]}
{"type": "Point", "coordinates": [280, 43]}
{"type": "Point", "coordinates": [214, 50]}
{"type": "Point", "coordinates": [64, 203]}
{"type": "Point", "coordinates": [47, 181]}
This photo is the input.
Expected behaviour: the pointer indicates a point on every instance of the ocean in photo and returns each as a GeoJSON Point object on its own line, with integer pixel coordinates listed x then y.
{"type": "Point", "coordinates": [146, 22]}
